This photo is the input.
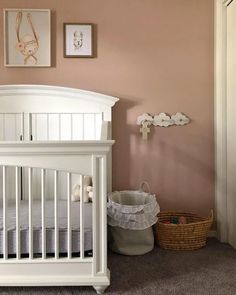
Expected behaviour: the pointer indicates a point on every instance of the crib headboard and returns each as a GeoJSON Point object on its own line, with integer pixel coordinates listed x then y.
{"type": "Point", "coordinates": [41, 100]}
{"type": "Point", "coordinates": [37, 113]}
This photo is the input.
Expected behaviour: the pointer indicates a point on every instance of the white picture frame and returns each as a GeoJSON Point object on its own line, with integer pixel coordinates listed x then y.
{"type": "Point", "coordinates": [27, 37]}
{"type": "Point", "coordinates": [78, 40]}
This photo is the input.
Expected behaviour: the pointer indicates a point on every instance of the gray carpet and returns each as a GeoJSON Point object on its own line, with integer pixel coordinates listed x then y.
{"type": "Point", "coordinates": [211, 270]}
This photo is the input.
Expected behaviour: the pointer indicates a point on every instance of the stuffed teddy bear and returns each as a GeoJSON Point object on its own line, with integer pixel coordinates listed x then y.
{"type": "Point", "coordinates": [75, 197]}
{"type": "Point", "coordinates": [90, 193]}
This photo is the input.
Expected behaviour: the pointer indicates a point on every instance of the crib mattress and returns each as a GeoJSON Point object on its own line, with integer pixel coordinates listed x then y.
{"type": "Point", "coordinates": [49, 225]}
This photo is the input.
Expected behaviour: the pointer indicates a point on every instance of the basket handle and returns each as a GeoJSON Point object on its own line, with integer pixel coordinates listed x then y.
{"type": "Point", "coordinates": [211, 215]}
{"type": "Point", "coordinates": [142, 185]}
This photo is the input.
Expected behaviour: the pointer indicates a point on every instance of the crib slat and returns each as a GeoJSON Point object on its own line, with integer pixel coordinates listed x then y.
{"type": "Point", "coordinates": [3, 127]}
{"type": "Point", "coordinates": [69, 214]}
{"type": "Point", "coordinates": [18, 254]}
{"type": "Point", "coordinates": [94, 126]}
{"type": "Point", "coordinates": [59, 126]}
{"type": "Point", "coordinates": [43, 214]}
{"type": "Point", "coordinates": [30, 131]}
{"type": "Point", "coordinates": [71, 126]}
{"type": "Point", "coordinates": [82, 126]}
{"type": "Point", "coordinates": [30, 214]}
{"type": "Point", "coordinates": [36, 126]}
{"type": "Point", "coordinates": [81, 216]}
{"type": "Point", "coordinates": [22, 126]}
{"type": "Point", "coordinates": [5, 236]}
{"type": "Point", "coordinates": [47, 126]}
{"type": "Point", "coordinates": [56, 214]}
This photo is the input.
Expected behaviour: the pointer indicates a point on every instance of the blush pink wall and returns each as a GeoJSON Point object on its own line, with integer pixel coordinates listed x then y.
{"type": "Point", "coordinates": [156, 56]}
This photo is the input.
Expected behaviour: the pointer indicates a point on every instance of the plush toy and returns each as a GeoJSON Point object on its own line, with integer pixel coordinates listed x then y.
{"type": "Point", "coordinates": [75, 197]}
{"type": "Point", "coordinates": [175, 220]}
{"type": "Point", "coordinates": [182, 220]}
{"type": "Point", "coordinates": [90, 192]}
{"type": "Point", "coordinates": [87, 184]}
{"type": "Point", "coordinates": [87, 180]}
{"type": "Point", "coordinates": [166, 221]}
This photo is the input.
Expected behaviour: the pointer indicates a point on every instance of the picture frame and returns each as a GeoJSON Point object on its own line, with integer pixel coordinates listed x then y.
{"type": "Point", "coordinates": [27, 37]}
{"type": "Point", "coordinates": [78, 40]}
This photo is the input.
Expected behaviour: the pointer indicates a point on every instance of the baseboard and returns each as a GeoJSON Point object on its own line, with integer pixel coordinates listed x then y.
{"type": "Point", "coordinates": [212, 234]}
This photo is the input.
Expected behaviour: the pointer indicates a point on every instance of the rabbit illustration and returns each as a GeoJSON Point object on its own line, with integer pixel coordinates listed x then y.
{"type": "Point", "coordinates": [27, 45]}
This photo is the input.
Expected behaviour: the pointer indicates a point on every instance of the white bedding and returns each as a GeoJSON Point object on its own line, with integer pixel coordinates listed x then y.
{"type": "Point", "coordinates": [49, 223]}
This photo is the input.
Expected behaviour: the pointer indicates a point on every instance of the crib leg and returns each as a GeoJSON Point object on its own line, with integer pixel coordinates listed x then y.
{"type": "Point", "coordinates": [100, 289]}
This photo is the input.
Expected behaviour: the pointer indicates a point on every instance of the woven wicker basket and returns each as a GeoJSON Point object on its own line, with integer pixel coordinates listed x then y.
{"type": "Point", "coordinates": [190, 236]}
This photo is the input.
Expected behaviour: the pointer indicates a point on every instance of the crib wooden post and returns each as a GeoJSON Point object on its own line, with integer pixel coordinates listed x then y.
{"type": "Point", "coordinates": [18, 254]}
{"type": "Point", "coordinates": [43, 213]}
{"type": "Point", "coordinates": [56, 214]}
{"type": "Point", "coordinates": [4, 196]}
{"type": "Point", "coordinates": [99, 215]}
{"type": "Point", "coordinates": [81, 216]}
{"type": "Point", "coordinates": [30, 214]}
{"type": "Point", "coordinates": [69, 215]}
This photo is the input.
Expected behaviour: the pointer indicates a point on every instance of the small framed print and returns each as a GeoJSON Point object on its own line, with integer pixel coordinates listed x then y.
{"type": "Point", "coordinates": [27, 37]}
{"type": "Point", "coordinates": [78, 40]}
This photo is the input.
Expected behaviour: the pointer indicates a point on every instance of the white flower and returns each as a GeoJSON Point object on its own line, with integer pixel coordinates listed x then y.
{"type": "Point", "coordinates": [180, 119]}
{"type": "Point", "coordinates": [162, 120]}
{"type": "Point", "coordinates": [144, 117]}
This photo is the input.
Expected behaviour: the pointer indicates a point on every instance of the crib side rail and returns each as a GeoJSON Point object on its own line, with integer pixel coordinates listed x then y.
{"type": "Point", "coordinates": [83, 159]}
{"type": "Point", "coordinates": [69, 156]}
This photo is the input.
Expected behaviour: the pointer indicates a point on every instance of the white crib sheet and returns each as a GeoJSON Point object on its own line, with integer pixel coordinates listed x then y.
{"type": "Point", "coordinates": [49, 224]}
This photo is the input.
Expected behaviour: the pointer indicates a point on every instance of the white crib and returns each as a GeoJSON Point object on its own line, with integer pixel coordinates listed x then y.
{"type": "Point", "coordinates": [51, 137]}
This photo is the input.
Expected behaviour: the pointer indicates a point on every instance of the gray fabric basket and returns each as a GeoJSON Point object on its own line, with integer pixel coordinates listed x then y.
{"type": "Point", "coordinates": [131, 242]}
{"type": "Point", "coordinates": [131, 215]}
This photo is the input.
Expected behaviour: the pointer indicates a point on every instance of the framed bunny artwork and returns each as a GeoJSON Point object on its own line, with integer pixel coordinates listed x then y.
{"type": "Point", "coordinates": [27, 37]}
{"type": "Point", "coordinates": [78, 40]}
